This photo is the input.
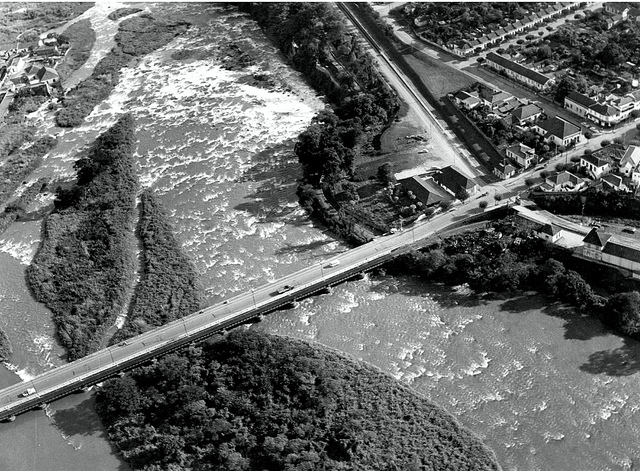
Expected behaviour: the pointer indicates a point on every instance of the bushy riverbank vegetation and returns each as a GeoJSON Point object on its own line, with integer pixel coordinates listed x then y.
{"type": "Point", "coordinates": [505, 258]}
{"type": "Point", "coordinates": [508, 257]}
{"type": "Point", "coordinates": [80, 37]}
{"type": "Point", "coordinates": [169, 287]}
{"type": "Point", "coordinates": [136, 37]}
{"type": "Point", "coordinates": [314, 37]}
{"type": "Point", "coordinates": [20, 164]}
{"type": "Point", "coordinates": [86, 260]}
{"type": "Point", "coordinates": [32, 19]}
{"type": "Point", "coordinates": [12, 136]}
{"type": "Point", "coordinates": [5, 347]}
{"type": "Point", "coordinates": [252, 401]}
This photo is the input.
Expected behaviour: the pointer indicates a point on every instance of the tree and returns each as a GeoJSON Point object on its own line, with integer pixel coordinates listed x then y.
{"type": "Point", "coordinates": [528, 182]}
{"type": "Point", "coordinates": [483, 204]}
{"type": "Point", "coordinates": [463, 195]}
{"type": "Point", "coordinates": [605, 143]}
{"type": "Point", "coordinates": [623, 311]}
{"type": "Point", "coordinates": [445, 204]}
{"type": "Point", "coordinates": [565, 86]}
{"type": "Point", "coordinates": [497, 197]}
{"type": "Point", "coordinates": [544, 174]}
{"type": "Point", "coordinates": [385, 174]}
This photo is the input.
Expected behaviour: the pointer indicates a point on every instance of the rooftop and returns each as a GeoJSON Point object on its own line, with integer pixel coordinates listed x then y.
{"type": "Point", "coordinates": [518, 69]}
{"type": "Point", "coordinates": [558, 127]}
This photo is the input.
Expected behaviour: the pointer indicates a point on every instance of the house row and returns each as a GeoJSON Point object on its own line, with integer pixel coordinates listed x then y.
{"type": "Point", "coordinates": [444, 184]}
{"type": "Point", "coordinates": [518, 72]}
{"type": "Point", "coordinates": [465, 48]}
{"type": "Point", "coordinates": [608, 111]}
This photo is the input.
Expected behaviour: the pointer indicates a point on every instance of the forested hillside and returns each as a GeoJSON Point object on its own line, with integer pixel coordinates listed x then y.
{"type": "Point", "coordinates": [257, 402]}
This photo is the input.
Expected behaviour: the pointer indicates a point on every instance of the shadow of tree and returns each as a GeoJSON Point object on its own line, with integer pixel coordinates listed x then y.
{"type": "Point", "coordinates": [79, 420]}
{"type": "Point", "coordinates": [300, 248]}
{"type": "Point", "coordinates": [523, 303]}
{"type": "Point", "coordinates": [578, 325]}
{"type": "Point", "coordinates": [414, 286]}
{"type": "Point", "coordinates": [623, 361]}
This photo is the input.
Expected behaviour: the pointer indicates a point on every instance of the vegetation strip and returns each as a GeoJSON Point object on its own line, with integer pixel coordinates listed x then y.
{"type": "Point", "coordinates": [169, 286]}
{"type": "Point", "coordinates": [81, 37]}
{"type": "Point", "coordinates": [314, 37]}
{"type": "Point", "coordinates": [86, 260]}
{"type": "Point", "coordinates": [122, 12]}
{"type": "Point", "coordinates": [136, 37]}
{"type": "Point", "coordinates": [252, 401]}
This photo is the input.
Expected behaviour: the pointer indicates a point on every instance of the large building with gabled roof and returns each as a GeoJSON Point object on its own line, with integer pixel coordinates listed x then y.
{"type": "Point", "coordinates": [519, 72]}
{"type": "Point", "coordinates": [620, 252]}
{"type": "Point", "coordinates": [454, 182]}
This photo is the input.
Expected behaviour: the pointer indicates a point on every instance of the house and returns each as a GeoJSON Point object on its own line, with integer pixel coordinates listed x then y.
{"type": "Point", "coordinates": [46, 51]}
{"type": "Point", "coordinates": [558, 130]}
{"type": "Point", "coordinates": [504, 171]}
{"type": "Point", "coordinates": [578, 103]}
{"type": "Point", "coordinates": [620, 252]}
{"type": "Point", "coordinates": [549, 232]}
{"type": "Point", "coordinates": [562, 181]}
{"type": "Point", "coordinates": [467, 100]}
{"type": "Point", "coordinates": [47, 75]}
{"type": "Point", "coordinates": [522, 154]}
{"type": "Point", "coordinates": [615, 8]}
{"type": "Point", "coordinates": [425, 190]}
{"type": "Point", "coordinates": [630, 164]}
{"type": "Point", "coordinates": [518, 72]}
{"type": "Point", "coordinates": [494, 99]}
{"type": "Point", "coordinates": [613, 182]}
{"type": "Point", "coordinates": [526, 114]}
{"type": "Point", "coordinates": [608, 112]}
{"type": "Point", "coordinates": [35, 76]}
{"type": "Point", "coordinates": [596, 165]}
{"type": "Point", "coordinates": [454, 182]}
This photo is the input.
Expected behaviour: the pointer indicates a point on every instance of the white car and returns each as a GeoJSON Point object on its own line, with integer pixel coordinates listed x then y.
{"type": "Point", "coordinates": [28, 392]}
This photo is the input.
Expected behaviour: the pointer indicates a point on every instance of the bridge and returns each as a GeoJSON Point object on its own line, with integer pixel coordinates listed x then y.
{"type": "Point", "coordinates": [229, 313]}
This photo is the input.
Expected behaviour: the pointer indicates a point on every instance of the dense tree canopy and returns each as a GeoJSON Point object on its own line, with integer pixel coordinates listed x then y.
{"type": "Point", "coordinates": [86, 261]}
{"type": "Point", "coordinates": [256, 402]}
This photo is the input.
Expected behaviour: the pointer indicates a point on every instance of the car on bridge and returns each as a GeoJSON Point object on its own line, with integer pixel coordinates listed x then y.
{"type": "Point", "coordinates": [28, 392]}
{"type": "Point", "coordinates": [285, 288]}
{"type": "Point", "coordinates": [333, 263]}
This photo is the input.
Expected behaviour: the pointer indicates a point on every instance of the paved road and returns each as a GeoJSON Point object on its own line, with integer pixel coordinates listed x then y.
{"type": "Point", "coordinates": [108, 362]}
{"type": "Point", "coordinates": [445, 145]}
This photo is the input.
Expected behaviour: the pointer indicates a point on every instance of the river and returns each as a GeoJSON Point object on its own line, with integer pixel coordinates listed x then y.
{"type": "Point", "coordinates": [542, 387]}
